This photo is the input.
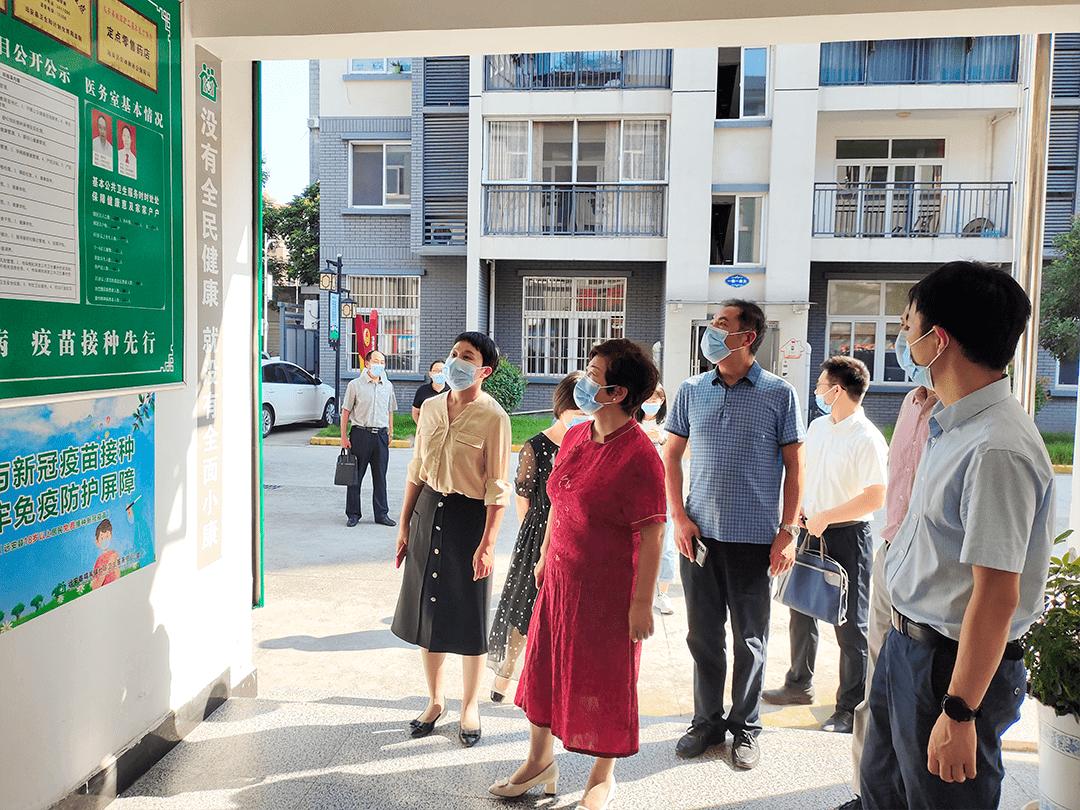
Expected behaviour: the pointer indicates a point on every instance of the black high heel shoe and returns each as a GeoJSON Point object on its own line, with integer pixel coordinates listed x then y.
{"type": "Point", "coordinates": [469, 737]}
{"type": "Point", "coordinates": [498, 695]}
{"type": "Point", "coordinates": [421, 728]}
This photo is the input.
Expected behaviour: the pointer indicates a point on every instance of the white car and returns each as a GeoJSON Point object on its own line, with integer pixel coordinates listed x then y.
{"type": "Point", "coordinates": [290, 394]}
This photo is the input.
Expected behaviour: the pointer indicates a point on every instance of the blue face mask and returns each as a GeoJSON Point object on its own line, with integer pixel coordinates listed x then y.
{"type": "Point", "coordinates": [438, 378]}
{"type": "Point", "coordinates": [651, 408]}
{"type": "Point", "coordinates": [459, 374]}
{"type": "Point", "coordinates": [376, 370]}
{"type": "Point", "coordinates": [585, 395]}
{"type": "Point", "coordinates": [713, 343]}
{"type": "Point", "coordinates": [919, 375]}
{"type": "Point", "coordinates": [822, 405]}
{"type": "Point", "coordinates": [578, 418]}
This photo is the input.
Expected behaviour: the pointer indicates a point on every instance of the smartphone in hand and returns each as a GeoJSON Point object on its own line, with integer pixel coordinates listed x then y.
{"type": "Point", "coordinates": [401, 556]}
{"type": "Point", "coordinates": [701, 551]}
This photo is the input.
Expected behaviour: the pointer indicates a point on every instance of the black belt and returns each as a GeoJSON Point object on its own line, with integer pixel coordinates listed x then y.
{"type": "Point", "coordinates": [367, 429]}
{"type": "Point", "coordinates": [924, 634]}
{"type": "Point", "coordinates": [844, 524]}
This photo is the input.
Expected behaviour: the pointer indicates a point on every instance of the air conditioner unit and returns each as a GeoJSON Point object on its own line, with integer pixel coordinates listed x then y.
{"type": "Point", "coordinates": [313, 123]}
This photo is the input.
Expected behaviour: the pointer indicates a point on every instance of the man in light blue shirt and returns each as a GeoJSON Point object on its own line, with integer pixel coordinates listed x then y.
{"type": "Point", "coordinates": [745, 432]}
{"type": "Point", "coordinates": [967, 569]}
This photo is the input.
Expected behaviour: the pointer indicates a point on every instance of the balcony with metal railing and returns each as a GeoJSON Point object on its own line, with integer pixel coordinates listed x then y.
{"type": "Point", "coordinates": [902, 210]}
{"type": "Point", "coordinates": [575, 209]}
{"type": "Point", "coordinates": [579, 70]}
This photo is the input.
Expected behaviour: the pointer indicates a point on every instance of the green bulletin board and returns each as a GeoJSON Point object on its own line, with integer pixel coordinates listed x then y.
{"type": "Point", "coordinates": [91, 206]}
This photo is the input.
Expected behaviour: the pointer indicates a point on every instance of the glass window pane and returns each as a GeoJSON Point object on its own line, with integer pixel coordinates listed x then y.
{"type": "Point", "coordinates": [854, 298]}
{"type": "Point", "coordinates": [555, 147]}
{"type": "Point", "coordinates": [839, 338]}
{"type": "Point", "coordinates": [918, 148]}
{"type": "Point", "coordinates": [749, 230]}
{"type": "Point", "coordinates": [1068, 371]}
{"type": "Point", "coordinates": [367, 174]}
{"type": "Point", "coordinates": [754, 81]}
{"type": "Point", "coordinates": [896, 297]}
{"type": "Point", "coordinates": [893, 372]}
{"type": "Point", "coordinates": [508, 150]}
{"type": "Point", "coordinates": [368, 65]}
{"type": "Point", "coordinates": [862, 149]}
{"type": "Point", "coordinates": [598, 152]}
{"type": "Point", "coordinates": [891, 62]}
{"type": "Point", "coordinates": [864, 345]}
{"type": "Point", "coordinates": [398, 174]}
{"type": "Point", "coordinates": [644, 150]}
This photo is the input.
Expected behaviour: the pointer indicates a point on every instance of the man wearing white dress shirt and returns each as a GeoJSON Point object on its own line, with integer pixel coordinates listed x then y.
{"type": "Point", "coordinates": [846, 471]}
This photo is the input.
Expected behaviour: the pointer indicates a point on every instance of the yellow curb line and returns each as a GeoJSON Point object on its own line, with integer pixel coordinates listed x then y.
{"type": "Point", "coordinates": [1063, 468]}
{"type": "Point", "coordinates": [335, 441]}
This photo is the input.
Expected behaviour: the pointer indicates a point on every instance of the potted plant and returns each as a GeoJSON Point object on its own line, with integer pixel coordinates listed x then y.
{"type": "Point", "coordinates": [396, 67]}
{"type": "Point", "coordinates": [1052, 657]}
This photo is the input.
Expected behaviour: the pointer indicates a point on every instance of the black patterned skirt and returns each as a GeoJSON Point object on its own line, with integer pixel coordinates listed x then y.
{"type": "Point", "coordinates": [440, 607]}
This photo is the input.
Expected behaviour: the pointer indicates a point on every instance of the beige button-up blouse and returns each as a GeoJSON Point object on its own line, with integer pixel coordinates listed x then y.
{"type": "Point", "coordinates": [469, 456]}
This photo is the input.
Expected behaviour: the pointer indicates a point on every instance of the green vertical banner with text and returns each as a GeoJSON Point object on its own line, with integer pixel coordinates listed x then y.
{"type": "Point", "coordinates": [91, 209]}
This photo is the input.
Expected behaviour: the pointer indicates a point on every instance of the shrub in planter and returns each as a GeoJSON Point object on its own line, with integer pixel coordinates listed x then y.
{"type": "Point", "coordinates": [507, 385]}
{"type": "Point", "coordinates": [1052, 644]}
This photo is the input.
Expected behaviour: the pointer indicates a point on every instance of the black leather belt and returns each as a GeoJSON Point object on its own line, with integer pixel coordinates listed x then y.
{"type": "Point", "coordinates": [367, 429]}
{"type": "Point", "coordinates": [924, 634]}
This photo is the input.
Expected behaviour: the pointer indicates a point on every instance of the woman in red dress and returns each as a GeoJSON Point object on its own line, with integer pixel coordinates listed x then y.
{"type": "Point", "coordinates": [597, 572]}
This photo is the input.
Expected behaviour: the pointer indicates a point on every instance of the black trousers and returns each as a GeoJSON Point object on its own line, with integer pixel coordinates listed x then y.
{"type": "Point", "coordinates": [370, 449]}
{"type": "Point", "coordinates": [851, 546]}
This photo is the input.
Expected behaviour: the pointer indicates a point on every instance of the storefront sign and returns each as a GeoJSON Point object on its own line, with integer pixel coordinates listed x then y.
{"type": "Point", "coordinates": [91, 213]}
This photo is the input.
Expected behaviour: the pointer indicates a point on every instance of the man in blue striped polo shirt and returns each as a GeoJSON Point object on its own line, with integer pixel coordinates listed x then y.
{"type": "Point", "coordinates": [745, 432]}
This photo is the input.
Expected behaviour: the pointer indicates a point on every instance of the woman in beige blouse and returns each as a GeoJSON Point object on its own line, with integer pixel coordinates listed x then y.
{"type": "Point", "coordinates": [455, 493]}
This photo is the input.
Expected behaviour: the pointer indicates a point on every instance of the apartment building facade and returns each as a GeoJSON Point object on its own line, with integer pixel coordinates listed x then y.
{"type": "Point", "coordinates": [554, 200]}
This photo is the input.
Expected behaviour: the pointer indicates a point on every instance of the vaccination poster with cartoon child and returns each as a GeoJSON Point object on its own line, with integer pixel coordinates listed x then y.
{"type": "Point", "coordinates": [76, 501]}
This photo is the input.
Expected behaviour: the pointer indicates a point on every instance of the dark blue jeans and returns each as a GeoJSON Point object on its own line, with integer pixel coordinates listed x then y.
{"type": "Point", "coordinates": [370, 449]}
{"type": "Point", "coordinates": [905, 702]}
{"type": "Point", "coordinates": [851, 546]}
{"type": "Point", "coordinates": [735, 581]}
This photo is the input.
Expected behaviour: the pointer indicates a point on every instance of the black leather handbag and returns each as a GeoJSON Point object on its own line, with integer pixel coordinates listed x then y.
{"type": "Point", "coordinates": [345, 474]}
{"type": "Point", "coordinates": [816, 584]}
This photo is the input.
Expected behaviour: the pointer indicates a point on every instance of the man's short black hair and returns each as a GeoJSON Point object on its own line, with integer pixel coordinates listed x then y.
{"type": "Point", "coordinates": [982, 308]}
{"type": "Point", "coordinates": [751, 319]}
{"type": "Point", "coordinates": [435, 363]}
{"type": "Point", "coordinates": [367, 357]}
{"type": "Point", "coordinates": [483, 344]}
{"type": "Point", "coordinates": [850, 373]}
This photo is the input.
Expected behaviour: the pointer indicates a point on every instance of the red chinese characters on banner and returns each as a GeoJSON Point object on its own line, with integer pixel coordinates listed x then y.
{"type": "Point", "coordinates": [367, 335]}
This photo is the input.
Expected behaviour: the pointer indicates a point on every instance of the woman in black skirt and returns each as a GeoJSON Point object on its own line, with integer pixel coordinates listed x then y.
{"type": "Point", "coordinates": [511, 623]}
{"type": "Point", "coordinates": [455, 494]}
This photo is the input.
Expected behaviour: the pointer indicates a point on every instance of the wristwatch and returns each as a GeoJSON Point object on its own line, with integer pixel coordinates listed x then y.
{"type": "Point", "coordinates": [956, 709]}
{"type": "Point", "coordinates": [790, 529]}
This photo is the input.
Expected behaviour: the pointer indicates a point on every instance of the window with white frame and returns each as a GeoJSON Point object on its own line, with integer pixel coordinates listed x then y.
{"type": "Point", "coordinates": [380, 174]}
{"type": "Point", "coordinates": [736, 230]}
{"type": "Point", "coordinates": [742, 83]}
{"type": "Point", "coordinates": [563, 318]}
{"type": "Point", "coordinates": [620, 151]}
{"type": "Point", "coordinates": [1068, 372]}
{"type": "Point", "coordinates": [378, 66]}
{"type": "Point", "coordinates": [397, 299]}
{"type": "Point", "coordinates": [863, 322]}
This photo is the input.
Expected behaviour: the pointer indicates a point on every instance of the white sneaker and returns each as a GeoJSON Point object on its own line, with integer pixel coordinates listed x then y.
{"type": "Point", "coordinates": [663, 603]}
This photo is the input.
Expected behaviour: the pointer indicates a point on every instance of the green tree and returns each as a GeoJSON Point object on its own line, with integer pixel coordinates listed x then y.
{"type": "Point", "coordinates": [506, 385]}
{"type": "Point", "coordinates": [18, 610]}
{"type": "Point", "coordinates": [1059, 318]}
{"type": "Point", "coordinates": [297, 225]}
{"type": "Point", "coordinates": [35, 603]}
{"type": "Point", "coordinates": [59, 589]}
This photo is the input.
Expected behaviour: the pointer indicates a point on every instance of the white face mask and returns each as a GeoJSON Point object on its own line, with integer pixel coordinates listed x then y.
{"type": "Point", "coordinates": [459, 374]}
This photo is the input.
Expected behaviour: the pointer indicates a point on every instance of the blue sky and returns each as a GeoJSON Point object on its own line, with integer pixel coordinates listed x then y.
{"type": "Point", "coordinates": [284, 127]}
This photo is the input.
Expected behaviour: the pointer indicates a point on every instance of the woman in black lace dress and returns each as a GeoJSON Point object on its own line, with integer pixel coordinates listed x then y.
{"type": "Point", "coordinates": [511, 623]}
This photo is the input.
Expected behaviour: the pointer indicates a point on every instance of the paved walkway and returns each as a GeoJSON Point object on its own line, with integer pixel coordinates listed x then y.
{"type": "Point", "coordinates": [337, 689]}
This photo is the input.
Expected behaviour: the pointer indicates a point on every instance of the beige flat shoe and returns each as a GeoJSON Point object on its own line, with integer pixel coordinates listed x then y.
{"type": "Point", "coordinates": [549, 777]}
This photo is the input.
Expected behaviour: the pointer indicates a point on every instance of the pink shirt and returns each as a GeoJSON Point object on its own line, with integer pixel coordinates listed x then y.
{"type": "Point", "coordinates": [909, 438]}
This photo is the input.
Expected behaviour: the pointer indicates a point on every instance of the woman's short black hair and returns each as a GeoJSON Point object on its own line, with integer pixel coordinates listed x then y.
{"type": "Point", "coordinates": [631, 367]}
{"type": "Point", "coordinates": [983, 308]}
{"type": "Point", "coordinates": [483, 344]}
{"type": "Point", "coordinates": [661, 414]}
{"type": "Point", "coordinates": [563, 398]}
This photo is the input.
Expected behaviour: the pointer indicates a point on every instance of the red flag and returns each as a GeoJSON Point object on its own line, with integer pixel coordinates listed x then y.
{"type": "Point", "coordinates": [367, 335]}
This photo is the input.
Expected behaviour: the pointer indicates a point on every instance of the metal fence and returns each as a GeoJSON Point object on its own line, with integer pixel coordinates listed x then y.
{"type": "Point", "coordinates": [912, 209]}
{"type": "Point", "coordinates": [578, 70]}
{"type": "Point", "coordinates": [575, 210]}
